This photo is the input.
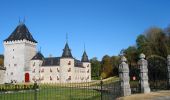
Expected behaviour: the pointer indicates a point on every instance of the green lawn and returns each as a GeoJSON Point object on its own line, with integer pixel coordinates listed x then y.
{"type": "Point", "coordinates": [69, 91]}
{"type": "Point", "coordinates": [53, 93]}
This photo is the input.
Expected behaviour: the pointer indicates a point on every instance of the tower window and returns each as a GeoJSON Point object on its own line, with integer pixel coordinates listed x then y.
{"type": "Point", "coordinates": [69, 63]}
{"type": "Point", "coordinates": [69, 70]}
{"type": "Point", "coordinates": [58, 70]}
{"type": "Point", "coordinates": [34, 64]}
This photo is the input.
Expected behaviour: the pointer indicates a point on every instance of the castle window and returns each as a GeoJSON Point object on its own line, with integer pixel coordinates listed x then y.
{"type": "Point", "coordinates": [34, 64]}
{"type": "Point", "coordinates": [88, 77]}
{"type": "Point", "coordinates": [51, 78]}
{"type": "Point", "coordinates": [58, 70]}
{"type": "Point", "coordinates": [69, 78]}
{"type": "Point", "coordinates": [57, 78]}
{"type": "Point", "coordinates": [69, 70]}
{"type": "Point", "coordinates": [69, 63]}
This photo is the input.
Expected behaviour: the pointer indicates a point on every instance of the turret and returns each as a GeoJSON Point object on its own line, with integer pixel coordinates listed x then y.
{"type": "Point", "coordinates": [67, 65]}
{"type": "Point", "coordinates": [36, 63]}
{"type": "Point", "coordinates": [87, 65]}
{"type": "Point", "coordinates": [19, 48]}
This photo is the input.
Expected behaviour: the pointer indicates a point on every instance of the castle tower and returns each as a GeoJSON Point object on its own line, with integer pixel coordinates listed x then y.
{"type": "Point", "coordinates": [19, 48]}
{"type": "Point", "coordinates": [66, 65]}
{"type": "Point", "coordinates": [87, 65]}
{"type": "Point", "coordinates": [36, 63]}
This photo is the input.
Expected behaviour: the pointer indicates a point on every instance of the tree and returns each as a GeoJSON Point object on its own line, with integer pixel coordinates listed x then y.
{"type": "Point", "coordinates": [107, 67]}
{"type": "Point", "coordinates": [96, 68]}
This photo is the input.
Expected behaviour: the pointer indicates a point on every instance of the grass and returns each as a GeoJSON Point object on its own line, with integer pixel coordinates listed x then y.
{"type": "Point", "coordinates": [51, 93]}
{"type": "Point", "coordinates": [67, 91]}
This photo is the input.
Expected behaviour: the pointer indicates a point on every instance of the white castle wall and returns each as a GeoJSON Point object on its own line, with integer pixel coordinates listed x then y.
{"type": "Point", "coordinates": [35, 70]}
{"type": "Point", "coordinates": [87, 66]}
{"type": "Point", "coordinates": [80, 74]}
{"type": "Point", "coordinates": [50, 74]}
{"type": "Point", "coordinates": [16, 59]}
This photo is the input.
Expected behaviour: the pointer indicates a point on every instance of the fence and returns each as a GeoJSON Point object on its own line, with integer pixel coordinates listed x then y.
{"type": "Point", "coordinates": [97, 90]}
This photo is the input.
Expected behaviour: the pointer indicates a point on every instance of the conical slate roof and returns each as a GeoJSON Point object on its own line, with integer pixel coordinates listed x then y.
{"type": "Point", "coordinates": [38, 56]}
{"type": "Point", "coordinates": [84, 57]}
{"type": "Point", "coordinates": [21, 32]}
{"type": "Point", "coordinates": [67, 52]}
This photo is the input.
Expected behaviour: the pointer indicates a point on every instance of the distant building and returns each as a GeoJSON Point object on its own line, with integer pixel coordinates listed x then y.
{"type": "Point", "coordinates": [24, 64]}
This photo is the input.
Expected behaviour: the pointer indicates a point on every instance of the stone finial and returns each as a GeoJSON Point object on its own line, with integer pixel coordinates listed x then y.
{"type": "Point", "coordinates": [142, 56]}
{"type": "Point", "coordinates": [123, 59]}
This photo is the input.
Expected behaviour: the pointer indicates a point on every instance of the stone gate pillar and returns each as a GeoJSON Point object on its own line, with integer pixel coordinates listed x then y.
{"type": "Point", "coordinates": [168, 73]}
{"type": "Point", "coordinates": [124, 77]}
{"type": "Point", "coordinates": [143, 65]}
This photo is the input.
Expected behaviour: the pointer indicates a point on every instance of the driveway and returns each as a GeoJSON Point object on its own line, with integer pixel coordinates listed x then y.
{"type": "Point", "coordinates": [159, 95]}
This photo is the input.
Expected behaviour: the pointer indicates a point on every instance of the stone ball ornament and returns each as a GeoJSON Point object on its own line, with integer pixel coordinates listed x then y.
{"type": "Point", "coordinates": [142, 56]}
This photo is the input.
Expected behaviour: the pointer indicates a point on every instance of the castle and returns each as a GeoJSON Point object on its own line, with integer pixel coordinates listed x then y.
{"type": "Point", "coordinates": [25, 65]}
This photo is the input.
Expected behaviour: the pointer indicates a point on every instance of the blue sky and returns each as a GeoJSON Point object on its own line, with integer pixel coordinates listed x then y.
{"type": "Point", "coordinates": [105, 26]}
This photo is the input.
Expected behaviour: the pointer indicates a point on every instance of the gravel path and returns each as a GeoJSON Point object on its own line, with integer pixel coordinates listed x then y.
{"type": "Point", "coordinates": [160, 95]}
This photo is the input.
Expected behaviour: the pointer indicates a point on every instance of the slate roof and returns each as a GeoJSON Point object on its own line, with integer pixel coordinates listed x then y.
{"type": "Point", "coordinates": [2, 68]}
{"type": "Point", "coordinates": [38, 56]}
{"type": "Point", "coordinates": [21, 32]}
{"type": "Point", "coordinates": [85, 57]}
{"type": "Point", "coordinates": [51, 61]}
{"type": "Point", "coordinates": [55, 61]}
{"type": "Point", "coordinates": [78, 63]}
{"type": "Point", "coordinates": [67, 52]}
